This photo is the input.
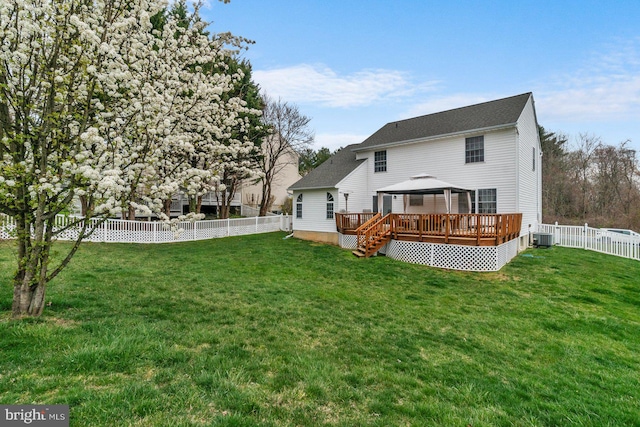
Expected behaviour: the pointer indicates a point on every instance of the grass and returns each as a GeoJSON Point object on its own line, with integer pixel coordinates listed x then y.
{"type": "Point", "coordinates": [262, 331]}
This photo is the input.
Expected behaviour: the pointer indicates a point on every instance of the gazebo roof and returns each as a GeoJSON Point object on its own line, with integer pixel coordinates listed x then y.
{"type": "Point", "coordinates": [422, 184]}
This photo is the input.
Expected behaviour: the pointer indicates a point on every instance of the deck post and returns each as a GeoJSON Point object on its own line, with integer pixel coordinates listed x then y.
{"type": "Point", "coordinates": [447, 225]}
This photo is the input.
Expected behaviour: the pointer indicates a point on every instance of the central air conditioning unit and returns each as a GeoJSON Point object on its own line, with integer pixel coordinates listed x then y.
{"type": "Point", "coordinates": [542, 239]}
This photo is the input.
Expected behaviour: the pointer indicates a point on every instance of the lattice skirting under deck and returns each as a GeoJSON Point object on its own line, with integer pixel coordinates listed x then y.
{"type": "Point", "coordinates": [453, 257]}
{"type": "Point", "coordinates": [348, 241]}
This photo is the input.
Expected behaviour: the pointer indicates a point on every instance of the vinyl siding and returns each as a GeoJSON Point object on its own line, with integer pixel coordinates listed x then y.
{"type": "Point", "coordinates": [314, 211]}
{"type": "Point", "coordinates": [530, 181]}
{"type": "Point", "coordinates": [445, 159]}
{"type": "Point", "coordinates": [355, 184]}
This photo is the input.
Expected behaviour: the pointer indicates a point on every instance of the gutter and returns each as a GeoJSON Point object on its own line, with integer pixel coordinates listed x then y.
{"type": "Point", "coordinates": [313, 188]}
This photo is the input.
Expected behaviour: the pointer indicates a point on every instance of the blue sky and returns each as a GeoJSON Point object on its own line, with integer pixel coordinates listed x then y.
{"type": "Point", "coordinates": [352, 66]}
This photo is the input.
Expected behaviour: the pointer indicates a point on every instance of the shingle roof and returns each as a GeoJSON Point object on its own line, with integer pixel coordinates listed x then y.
{"type": "Point", "coordinates": [331, 172]}
{"type": "Point", "coordinates": [492, 114]}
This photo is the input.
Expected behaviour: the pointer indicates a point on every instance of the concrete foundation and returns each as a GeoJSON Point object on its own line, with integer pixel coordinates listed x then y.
{"type": "Point", "coordinates": [317, 236]}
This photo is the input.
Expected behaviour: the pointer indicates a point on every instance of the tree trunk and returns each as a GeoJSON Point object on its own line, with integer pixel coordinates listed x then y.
{"type": "Point", "coordinates": [29, 282]}
{"type": "Point", "coordinates": [193, 204]}
{"type": "Point", "coordinates": [265, 202]}
{"type": "Point", "coordinates": [166, 208]}
{"type": "Point", "coordinates": [84, 205]}
{"type": "Point", "coordinates": [224, 206]}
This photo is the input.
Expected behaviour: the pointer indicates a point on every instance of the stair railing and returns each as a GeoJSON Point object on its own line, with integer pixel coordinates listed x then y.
{"type": "Point", "coordinates": [362, 230]}
{"type": "Point", "coordinates": [381, 229]}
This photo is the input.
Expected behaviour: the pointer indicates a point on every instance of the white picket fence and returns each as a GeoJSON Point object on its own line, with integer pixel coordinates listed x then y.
{"type": "Point", "coordinates": [121, 231]}
{"type": "Point", "coordinates": [593, 239]}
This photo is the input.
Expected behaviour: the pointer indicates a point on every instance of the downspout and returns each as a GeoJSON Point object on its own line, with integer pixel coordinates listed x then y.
{"type": "Point", "coordinates": [517, 162]}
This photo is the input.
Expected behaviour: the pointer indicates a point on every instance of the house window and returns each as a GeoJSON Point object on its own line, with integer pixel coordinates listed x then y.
{"type": "Point", "coordinates": [416, 200]}
{"type": "Point", "coordinates": [299, 206]}
{"type": "Point", "coordinates": [380, 161]}
{"type": "Point", "coordinates": [474, 149]}
{"type": "Point", "coordinates": [329, 206]}
{"type": "Point", "coordinates": [487, 201]}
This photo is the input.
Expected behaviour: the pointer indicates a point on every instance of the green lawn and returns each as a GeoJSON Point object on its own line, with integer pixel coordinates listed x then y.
{"type": "Point", "coordinates": [263, 331]}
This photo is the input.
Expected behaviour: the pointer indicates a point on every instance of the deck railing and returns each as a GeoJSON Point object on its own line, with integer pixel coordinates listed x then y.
{"type": "Point", "coordinates": [349, 222]}
{"type": "Point", "coordinates": [479, 226]}
{"type": "Point", "coordinates": [472, 228]}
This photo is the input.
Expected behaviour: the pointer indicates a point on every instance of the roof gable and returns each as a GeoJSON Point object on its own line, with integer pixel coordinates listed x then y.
{"type": "Point", "coordinates": [331, 171]}
{"type": "Point", "coordinates": [501, 112]}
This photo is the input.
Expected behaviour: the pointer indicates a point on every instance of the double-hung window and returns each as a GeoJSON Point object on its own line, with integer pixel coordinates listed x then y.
{"type": "Point", "coordinates": [487, 200]}
{"type": "Point", "coordinates": [299, 206]}
{"type": "Point", "coordinates": [474, 149]}
{"type": "Point", "coordinates": [329, 206]}
{"type": "Point", "coordinates": [380, 161]}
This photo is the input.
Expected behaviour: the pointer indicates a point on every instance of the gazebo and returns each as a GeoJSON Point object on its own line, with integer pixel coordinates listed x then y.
{"type": "Point", "coordinates": [425, 184]}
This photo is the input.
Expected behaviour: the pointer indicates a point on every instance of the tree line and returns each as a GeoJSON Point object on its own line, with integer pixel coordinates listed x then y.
{"type": "Point", "coordinates": [589, 181]}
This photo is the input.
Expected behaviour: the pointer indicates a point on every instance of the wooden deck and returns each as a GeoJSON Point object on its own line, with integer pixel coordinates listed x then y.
{"type": "Point", "coordinates": [458, 229]}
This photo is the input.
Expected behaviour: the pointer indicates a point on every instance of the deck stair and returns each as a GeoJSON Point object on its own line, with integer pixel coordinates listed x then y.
{"type": "Point", "coordinates": [372, 236]}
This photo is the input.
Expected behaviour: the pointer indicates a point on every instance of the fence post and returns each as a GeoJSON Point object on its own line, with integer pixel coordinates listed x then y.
{"type": "Point", "coordinates": [228, 227]}
{"type": "Point", "coordinates": [155, 231]}
{"type": "Point", "coordinates": [195, 230]}
{"type": "Point", "coordinates": [584, 236]}
{"type": "Point", "coordinates": [257, 223]}
{"type": "Point", "coordinates": [104, 230]}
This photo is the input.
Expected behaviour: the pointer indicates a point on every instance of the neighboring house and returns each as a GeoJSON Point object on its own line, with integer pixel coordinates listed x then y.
{"type": "Point", "coordinates": [492, 149]}
{"type": "Point", "coordinates": [286, 174]}
{"type": "Point", "coordinates": [247, 198]}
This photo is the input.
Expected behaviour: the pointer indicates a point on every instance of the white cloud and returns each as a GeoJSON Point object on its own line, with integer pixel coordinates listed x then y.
{"type": "Point", "coordinates": [607, 88]}
{"type": "Point", "coordinates": [306, 83]}
{"type": "Point", "coordinates": [602, 98]}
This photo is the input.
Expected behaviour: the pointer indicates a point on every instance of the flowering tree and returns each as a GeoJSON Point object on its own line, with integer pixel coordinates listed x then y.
{"type": "Point", "coordinates": [95, 103]}
{"type": "Point", "coordinates": [240, 157]}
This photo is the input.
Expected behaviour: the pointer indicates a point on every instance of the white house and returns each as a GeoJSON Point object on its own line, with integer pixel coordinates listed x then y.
{"type": "Point", "coordinates": [491, 149]}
